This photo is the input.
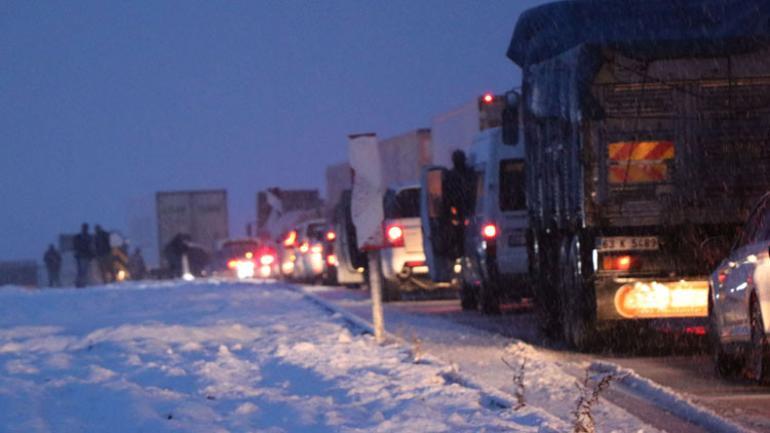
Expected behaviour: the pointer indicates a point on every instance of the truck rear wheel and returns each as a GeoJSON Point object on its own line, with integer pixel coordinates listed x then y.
{"type": "Point", "coordinates": [541, 269]}
{"type": "Point", "coordinates": [577, 298]}
{"type": "Point", "coordinates": [489, 297]}
{"type": "Point", "coordinates": [468, 297]}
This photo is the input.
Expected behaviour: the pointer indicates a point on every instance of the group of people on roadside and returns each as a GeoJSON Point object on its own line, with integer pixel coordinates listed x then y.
{"type": "Point", "coordinates": [113, 263]}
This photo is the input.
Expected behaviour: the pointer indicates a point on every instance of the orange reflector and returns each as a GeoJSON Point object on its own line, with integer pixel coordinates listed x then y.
{"type": "Point", "coordinates": [645, 300]}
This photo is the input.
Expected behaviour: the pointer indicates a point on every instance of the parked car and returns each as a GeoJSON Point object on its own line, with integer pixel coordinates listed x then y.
{"type": "Point", "coordinates": [495, 266]}
{"type": "Point", "coordinates": [739, 300]}
{"type": "Point", "coordinates": [402, 258]}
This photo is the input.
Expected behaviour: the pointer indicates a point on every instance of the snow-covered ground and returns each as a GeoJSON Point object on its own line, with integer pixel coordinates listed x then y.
{"type": "Point", "coordinates": [231, 357]}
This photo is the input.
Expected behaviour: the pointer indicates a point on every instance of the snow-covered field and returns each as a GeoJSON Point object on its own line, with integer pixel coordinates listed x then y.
{"type": "Point", "coordinates": [219, 357]}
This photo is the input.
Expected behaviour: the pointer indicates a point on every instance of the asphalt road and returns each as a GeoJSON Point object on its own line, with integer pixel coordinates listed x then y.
{"type": "Point", "coordinates": [677, 360]}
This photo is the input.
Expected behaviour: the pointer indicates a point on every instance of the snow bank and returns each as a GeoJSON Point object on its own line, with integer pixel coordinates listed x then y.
{"type": "Point", "coordinates": [218, 357]}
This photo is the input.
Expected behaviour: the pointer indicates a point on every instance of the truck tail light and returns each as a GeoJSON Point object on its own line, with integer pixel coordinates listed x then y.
{"type": "Point", "coordinates": [331, 260]}
{"type": "Point", "coordinates": [394, 235]}
{"type": "Point", "coordinates": [330, 236]}
{"type": "Point", "coordinates": [232, 264]}
{"type": "Point", "coordinates": [617, 263]}
{"type": "Point", "coordinates": [489, 231]}
{"type": "Point", "coordinates": [488, 98]}
{"type": "Point", "coordinates": [304, 247]}
{"type": "Point", "coordinates": [316, 249]}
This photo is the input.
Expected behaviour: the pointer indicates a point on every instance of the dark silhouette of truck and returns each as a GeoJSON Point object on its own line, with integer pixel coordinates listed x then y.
{"type": "Point", "coordinates": [647, 125]}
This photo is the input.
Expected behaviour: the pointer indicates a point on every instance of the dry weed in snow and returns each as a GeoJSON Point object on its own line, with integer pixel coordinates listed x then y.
{"type": "Point", "coordinates": [590, 390]}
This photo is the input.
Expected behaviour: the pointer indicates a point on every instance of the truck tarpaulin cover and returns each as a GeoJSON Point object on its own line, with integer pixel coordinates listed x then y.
{"type": "Point", "coordinates": [561, 45]}
{"type": "Point", "coordinates": [641, 28]}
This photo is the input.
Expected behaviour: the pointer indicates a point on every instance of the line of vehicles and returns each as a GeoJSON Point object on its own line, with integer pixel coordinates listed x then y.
{"type": "Point", "coordinates": [610, 187]}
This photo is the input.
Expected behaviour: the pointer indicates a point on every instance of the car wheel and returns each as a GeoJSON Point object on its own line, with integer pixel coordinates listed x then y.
{"type": "Point", "coordinates": [758, 359]}
{"type": "Point", "coordinates": [725, 363]}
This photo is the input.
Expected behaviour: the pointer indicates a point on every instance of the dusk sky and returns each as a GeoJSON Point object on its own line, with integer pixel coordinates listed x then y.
{"type": "Point", "coordinates": [103, 101]}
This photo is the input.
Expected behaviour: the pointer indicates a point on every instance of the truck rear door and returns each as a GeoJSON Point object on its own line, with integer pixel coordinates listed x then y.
{"type": "Point", "coordinates": [435, 224]}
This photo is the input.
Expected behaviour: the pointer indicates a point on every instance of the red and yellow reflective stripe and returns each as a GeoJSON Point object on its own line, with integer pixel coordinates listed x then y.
{"type": "Point", "coordinates": [641, 150]}
{"type": "Point", "coordinates": [639, 161]}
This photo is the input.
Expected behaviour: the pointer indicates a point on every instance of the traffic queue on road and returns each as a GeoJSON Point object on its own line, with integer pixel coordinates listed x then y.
{"type": "Point", "coordinates": [609, 188]}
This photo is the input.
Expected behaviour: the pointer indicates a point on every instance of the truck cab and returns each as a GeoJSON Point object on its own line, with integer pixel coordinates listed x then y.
{"type": "Point", "coordinates": [495, 266]}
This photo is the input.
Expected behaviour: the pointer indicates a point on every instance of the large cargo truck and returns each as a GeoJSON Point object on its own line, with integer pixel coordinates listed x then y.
{"type": "Point", "coordinates": [201, 216]}
{"type": "Point", "coordinates": [647, 127]}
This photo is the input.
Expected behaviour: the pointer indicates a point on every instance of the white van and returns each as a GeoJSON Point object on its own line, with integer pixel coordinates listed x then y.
{"type": "Point", "coordinates": [495, 266]}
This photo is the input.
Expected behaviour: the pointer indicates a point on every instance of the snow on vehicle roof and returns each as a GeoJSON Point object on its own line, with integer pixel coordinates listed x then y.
{"type": "Point", "coordinates": [641, 28]}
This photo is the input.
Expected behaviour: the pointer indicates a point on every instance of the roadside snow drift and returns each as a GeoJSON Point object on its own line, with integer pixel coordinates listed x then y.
{"type": "Point", "coordinates": [216, 357]}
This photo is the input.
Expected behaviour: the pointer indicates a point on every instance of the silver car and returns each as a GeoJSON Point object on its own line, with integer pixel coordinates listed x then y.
{"type": "Point", "coordinates": [739, 300]}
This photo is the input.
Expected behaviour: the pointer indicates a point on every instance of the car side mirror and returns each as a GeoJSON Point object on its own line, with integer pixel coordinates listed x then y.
{"type": "Point", "coordinates": [510, 118]}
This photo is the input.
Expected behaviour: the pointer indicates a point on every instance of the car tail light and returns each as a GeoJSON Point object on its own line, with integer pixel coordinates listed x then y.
{"type": "Point", "coordinates": [232, 264]}
{"type": "Point", "coordinates": [617, 263]}
{"type": "Point", "coordinates": [267, 259]}
{"type": "Point", "coordinates": [394, 235]}
{"type": "Point", "coordinates": [330, 236]}
{"type": "Point", "coordinates": [489, 231]}
{"type": "Point", "coordinates": [304, 247]}
{"type": "Point", "coordinates": [331, 260]}
{"type": "Point", "coordinates": [291, 238]}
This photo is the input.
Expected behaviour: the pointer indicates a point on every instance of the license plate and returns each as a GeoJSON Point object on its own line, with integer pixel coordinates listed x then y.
{"type": "Point", "coordinates": [622, 243]}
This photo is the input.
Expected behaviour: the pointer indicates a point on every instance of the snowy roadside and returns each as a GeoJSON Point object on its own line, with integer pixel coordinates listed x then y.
{"type": "Point", "coordinates": [219, 357]}
{"type": "Point", "coordinates": [549, 378]}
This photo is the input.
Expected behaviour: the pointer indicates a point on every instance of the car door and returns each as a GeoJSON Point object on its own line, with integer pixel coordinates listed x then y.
{"type": "Point", "coordinates": [738, 273]}
{"type": "Point", "coordinates": [434, 223]}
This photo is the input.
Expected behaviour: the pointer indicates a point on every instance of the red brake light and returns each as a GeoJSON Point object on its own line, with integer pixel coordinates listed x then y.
{"type": "Point", "coordinates": [331, 260]}
{"type": "Point", "coordinates": [617, 263]}
{"type": "Point", "coordinates": [232, 264]}
{"type": "Point", "coordinates": [330, 236]}
{"type": "Point", "coordinates": [394, 234]}
{"type": "Point", "coordinates": [489, 231]}
{"type": "Point", "coordinates": [488, 98]}
{"type": "Point", "coordinates": [267, 259]}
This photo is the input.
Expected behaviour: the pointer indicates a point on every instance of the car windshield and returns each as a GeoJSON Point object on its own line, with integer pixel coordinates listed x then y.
{"type": "Point", "coordinates": [403, 204]}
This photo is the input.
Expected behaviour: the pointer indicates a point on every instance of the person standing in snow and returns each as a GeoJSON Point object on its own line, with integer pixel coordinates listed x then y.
{"type": "Point", "coordinates": [83, 255]}
{"type": "Point", "coordinates": [52, 260]}
{"type": "Point", "coordinates": [459, 199]}
{"type": "Point", "coordinates": [136, 266]}
{"type": "Point", "coordinates": [103, 253]}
